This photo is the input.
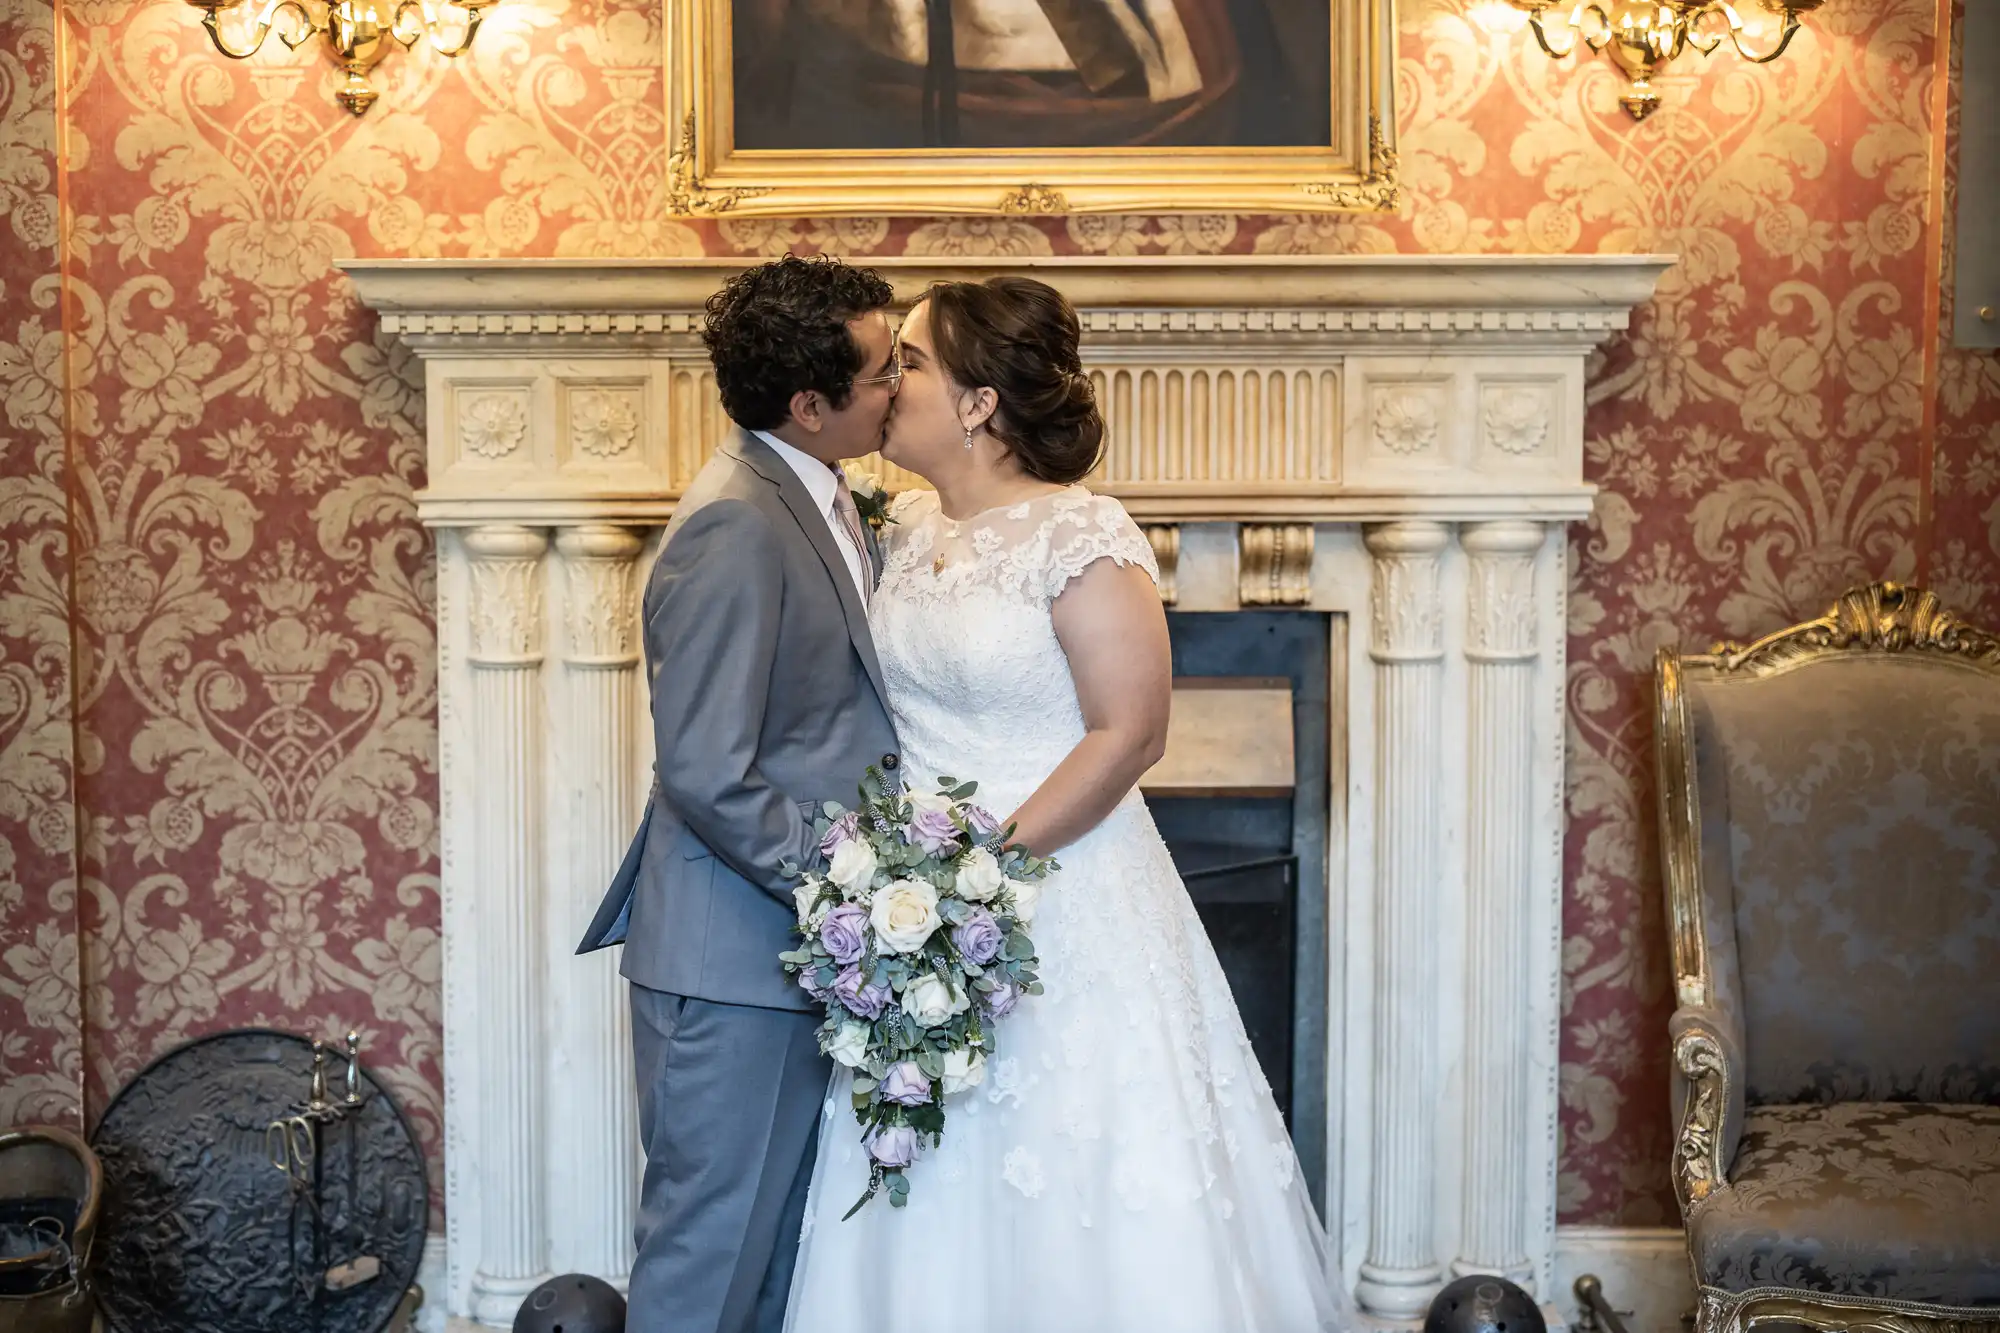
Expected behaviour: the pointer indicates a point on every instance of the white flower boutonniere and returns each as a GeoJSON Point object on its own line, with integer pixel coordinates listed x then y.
{"type": "Point", "coordinates": [871, 501]}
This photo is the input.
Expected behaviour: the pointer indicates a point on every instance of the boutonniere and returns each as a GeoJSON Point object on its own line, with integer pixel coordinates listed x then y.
{"type": "Point", "coordinates": [871, 501]}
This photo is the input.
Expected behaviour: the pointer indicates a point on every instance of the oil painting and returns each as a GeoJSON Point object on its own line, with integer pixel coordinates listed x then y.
{"type": "Point", "coordinates": [968, 106]}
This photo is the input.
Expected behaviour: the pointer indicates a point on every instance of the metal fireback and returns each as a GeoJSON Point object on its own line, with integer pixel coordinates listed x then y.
{"type": "Point", "coordinates": [257, 1182]}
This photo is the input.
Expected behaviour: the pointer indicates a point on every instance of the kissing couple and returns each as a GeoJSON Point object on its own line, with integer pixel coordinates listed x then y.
{"type": "Point", "coordinates": [1122, 1164]}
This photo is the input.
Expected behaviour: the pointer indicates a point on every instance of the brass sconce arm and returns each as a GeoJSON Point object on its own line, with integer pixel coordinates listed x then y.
{"type": "Point", "coordinates": [413, 21]}
{"type": "Point", "coordinates": [275, 14]}
{"type": "Point", "coordinates": [1643, 37]}
{"type": "Point", "coordinates": [357, 33]}
{"type": "Point", "coordinates": [1789, 31]}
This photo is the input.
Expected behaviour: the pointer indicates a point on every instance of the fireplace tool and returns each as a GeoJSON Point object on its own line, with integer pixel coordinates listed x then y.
{"type": "Point", "coordinates": [50, 1191]}
{"type": "Point", "coordinates": [254, 1186]}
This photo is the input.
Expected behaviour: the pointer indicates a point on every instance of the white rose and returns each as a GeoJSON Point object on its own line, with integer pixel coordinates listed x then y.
{"type": "Point", "coordinates": [931, 1002]}
{"type": "Point", "coordinates": [979, 877]}
{"type": "Point", "coordinates": [1027, 897]}
{"type": "Point", "coordinates": [963, 1069]}
{"type": "Point", "coordinates": [864, 485]}
{"type": "Point", "coordinates": [850, 1045]}
{"type": "Point", "coordinates": [853, 865]}
{"type": "Point", "coordinates": [806, 895]}
{"type": "Point", "coordinates": [904, 915]}
{"type": "Point", "coordinates": [921, 801]}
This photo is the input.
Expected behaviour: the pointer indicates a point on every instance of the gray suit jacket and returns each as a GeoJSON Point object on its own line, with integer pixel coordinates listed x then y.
{"type": "Point", "coordinates": [767, 699]}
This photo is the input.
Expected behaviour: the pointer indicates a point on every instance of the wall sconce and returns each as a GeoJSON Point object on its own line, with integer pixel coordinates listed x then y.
{"type": "Point", "coordinates": [1641, 36]}
{"type": "Point", "coordinates": [357, 32]}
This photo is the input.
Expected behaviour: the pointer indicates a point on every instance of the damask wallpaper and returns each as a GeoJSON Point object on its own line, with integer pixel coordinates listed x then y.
{"type": "Point", "coordinates": [217, 708]}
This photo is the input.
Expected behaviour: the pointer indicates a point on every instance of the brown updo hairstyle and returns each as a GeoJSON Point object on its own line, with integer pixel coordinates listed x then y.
{"type": "Point", "coordinates": [1019, 337]}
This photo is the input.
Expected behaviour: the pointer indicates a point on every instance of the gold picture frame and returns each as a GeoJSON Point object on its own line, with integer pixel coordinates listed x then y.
{"type": "Point", "coordinates": [709, 175]}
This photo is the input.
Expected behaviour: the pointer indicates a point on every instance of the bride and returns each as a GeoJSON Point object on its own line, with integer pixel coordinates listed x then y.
{"type": "Point", "coordinates": [1123, 1164]}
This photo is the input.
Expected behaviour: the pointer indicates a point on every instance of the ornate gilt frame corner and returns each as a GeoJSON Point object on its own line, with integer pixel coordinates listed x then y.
{"type": "Point", "coordinates": [1778, 1308]}
{"type": "Point", "coordinates": [707, 177]}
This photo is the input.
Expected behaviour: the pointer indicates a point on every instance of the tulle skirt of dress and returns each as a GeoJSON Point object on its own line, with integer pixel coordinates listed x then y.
{"type": "Point", "coordinates": [1124, 1166]}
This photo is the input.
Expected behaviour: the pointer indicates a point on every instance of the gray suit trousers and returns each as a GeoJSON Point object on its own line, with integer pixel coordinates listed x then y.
{"type": "Point", "coordinates": [729, 1103]}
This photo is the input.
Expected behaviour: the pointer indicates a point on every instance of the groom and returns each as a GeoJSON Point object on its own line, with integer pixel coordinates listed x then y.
{"type": "Point", "coordinates": [767, 699]}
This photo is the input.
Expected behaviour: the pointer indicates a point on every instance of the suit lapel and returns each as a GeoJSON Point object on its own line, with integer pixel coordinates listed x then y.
{"type": "Point", "coordinates": [754, 454]}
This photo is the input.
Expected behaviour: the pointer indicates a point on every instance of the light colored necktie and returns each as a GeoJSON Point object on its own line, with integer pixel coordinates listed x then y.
{"type": "Point", "coordinates": [850, 518]}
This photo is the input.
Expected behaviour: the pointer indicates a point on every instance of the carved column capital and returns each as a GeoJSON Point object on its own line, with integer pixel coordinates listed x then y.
{"type": "Point", "coordinates": [599, 626]}
{"type": "Point", "coordinates": [506, 594]}
{"type": "Point", "coordinates": [1405, 598]}
{"type": "Point", "coordinates": [1501, 623]}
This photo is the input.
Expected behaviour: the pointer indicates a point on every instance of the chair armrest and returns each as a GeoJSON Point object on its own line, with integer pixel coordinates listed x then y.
{"type": "Point", "coordinates": [1708, 1088]}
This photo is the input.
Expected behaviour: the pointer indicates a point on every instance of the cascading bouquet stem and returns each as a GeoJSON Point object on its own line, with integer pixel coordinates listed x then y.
{"type": "Point", "coordinates": [914, 937]}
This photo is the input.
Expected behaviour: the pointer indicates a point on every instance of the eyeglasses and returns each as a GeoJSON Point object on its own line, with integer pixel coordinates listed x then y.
{"type": "Point", "coordinates": [895, 376]}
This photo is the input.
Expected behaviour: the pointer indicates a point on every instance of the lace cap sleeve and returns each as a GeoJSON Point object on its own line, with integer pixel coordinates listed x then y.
{"type": "Point", "coordinates": [1089, 528]}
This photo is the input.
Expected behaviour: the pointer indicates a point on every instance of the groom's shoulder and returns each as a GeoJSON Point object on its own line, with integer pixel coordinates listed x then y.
{"type": "Point", "coordinates": [727, 487]}
{"type": "Point", "coordinates": [725, 510]}
{"type": "Point", "coordinates": [723, 477]}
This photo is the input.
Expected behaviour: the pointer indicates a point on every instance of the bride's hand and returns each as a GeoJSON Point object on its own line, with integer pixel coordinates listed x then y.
{"type": "Point", "coordinates": [1114, 632]}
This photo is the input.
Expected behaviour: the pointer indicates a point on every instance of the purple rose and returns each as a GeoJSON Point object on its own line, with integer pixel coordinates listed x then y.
{"type": "Point", "coordinates": [809, 983]}
{"type": "Point", "coordinates": [981, 821]}
{"type": "Point", "coordinates": [845, 829]}
{"type": "Point", "coordinates": [906, 1085]}
{"type": "Point", "coordinates": [845, 932]}
{"type": "Point", "coordinates": [866, 1001]}
{"type": "Point", "coordinates": [1000, 1001]}
{"type": "Point", "coordinates": [978, 937]}
{"type": "Point", "coordinates": [933, 831]}
{"type": "Point", "coordinates": [893, 1146]}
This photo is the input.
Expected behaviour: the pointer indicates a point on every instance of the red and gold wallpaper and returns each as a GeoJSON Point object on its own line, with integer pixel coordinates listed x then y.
{"type": "Point", "coordinates": [217, 705]}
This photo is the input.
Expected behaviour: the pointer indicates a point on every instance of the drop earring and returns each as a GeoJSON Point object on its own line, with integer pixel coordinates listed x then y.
{"type": "Point", "coordinates": [968, 437]}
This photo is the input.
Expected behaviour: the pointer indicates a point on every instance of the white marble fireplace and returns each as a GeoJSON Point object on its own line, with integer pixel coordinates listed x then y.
{"type": "Point", "coordinates": [1396, 441]}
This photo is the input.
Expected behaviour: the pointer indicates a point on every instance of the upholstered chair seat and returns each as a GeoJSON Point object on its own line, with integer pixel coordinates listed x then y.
{"type": "Point", "coordinates": [1870, 1199]}
{"type": "Point", "coordinates": [1830, 831]}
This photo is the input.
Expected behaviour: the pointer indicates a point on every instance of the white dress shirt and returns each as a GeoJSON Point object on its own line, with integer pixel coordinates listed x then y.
{"type": "Point", "coordinates": [823, 484]}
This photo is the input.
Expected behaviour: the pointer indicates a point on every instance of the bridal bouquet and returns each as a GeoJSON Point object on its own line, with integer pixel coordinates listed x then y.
{"type": "Point", "coordinates": [914, 938]}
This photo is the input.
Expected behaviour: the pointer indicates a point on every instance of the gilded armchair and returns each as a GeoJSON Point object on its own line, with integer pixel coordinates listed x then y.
{"type": "Point", "coordinates": [1830, 833]}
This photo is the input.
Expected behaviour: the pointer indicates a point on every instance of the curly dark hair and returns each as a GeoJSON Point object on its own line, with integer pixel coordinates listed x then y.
{"type": "Point", "coordinates": [1019, 337]}
{"type": "Point", "coordinates": [781, 328]}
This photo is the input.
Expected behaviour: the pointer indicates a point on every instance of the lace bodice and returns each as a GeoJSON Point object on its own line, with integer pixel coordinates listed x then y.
{"type": "Point", "coordinates": [968, 646]}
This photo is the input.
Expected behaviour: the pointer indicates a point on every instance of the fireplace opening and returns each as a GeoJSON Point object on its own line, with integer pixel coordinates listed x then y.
{"type": "Point", "coordinates": [1242, 801]}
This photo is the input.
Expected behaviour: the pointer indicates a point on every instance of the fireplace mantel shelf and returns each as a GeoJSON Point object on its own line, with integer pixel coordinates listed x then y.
{"type": "Point", "coordinates": [1611, 284]}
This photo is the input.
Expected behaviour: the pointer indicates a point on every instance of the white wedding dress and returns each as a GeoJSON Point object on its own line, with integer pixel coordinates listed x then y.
{"type": "Point", "coordinates": [1124, 1166]}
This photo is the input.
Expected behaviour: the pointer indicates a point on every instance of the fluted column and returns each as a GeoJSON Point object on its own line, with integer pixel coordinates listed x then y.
{"type": "Point", "coordinates": [1400, 1272]}
{"type": "Point", "coordinates": [594, 1179]}
{"type": "Point", "coordinates": [1500, 649]}
{"type": "Point", "coordinates": [506, 659]}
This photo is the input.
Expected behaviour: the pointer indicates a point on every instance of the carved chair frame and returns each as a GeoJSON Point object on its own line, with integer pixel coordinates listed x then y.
{"type": "Point", "coordinates": [1707, 1055]}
